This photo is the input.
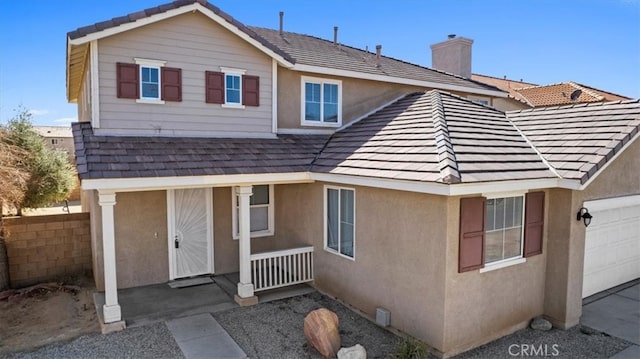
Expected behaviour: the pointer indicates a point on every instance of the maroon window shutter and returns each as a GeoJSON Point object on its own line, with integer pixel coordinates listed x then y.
{"type": "Point", "coordinates": [171, 79]}
{"type": "Point", "coordinates": [214, 83]}
{"type": "Point", "coordinates": [534, 223]}
{"type": "Point", "coordinates": [250, 90]}
{"type": "Point", "coordinates": [471, 251]}
{"type": "Point", "coordinates": [127, 80]}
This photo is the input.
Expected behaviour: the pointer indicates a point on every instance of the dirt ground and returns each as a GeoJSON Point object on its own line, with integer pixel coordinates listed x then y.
{"type": "Point", "coordinates": [47, 317]}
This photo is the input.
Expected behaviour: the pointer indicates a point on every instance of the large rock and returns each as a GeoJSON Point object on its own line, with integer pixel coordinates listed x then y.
{"type": "Point", "coordinates": [355, 352]}
{"type": "Point", "coordinates": [541, 324]}
{"type": "Point", "coordinates": [322, 332]}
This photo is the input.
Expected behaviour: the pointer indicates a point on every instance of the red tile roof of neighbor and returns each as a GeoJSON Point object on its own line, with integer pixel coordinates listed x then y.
{"type": "Point", "coordinates": [427, 137]}
{"type": "Point", "coordinates": [305, 49]}
{"type": "Point", "coordinates": [548, 95]}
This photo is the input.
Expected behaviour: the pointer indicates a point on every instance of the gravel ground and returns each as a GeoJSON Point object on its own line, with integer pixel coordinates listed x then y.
{"type": "Point", "coordinates": [151, 341]}
{"type": "Point", "coordinates": [275, 329]}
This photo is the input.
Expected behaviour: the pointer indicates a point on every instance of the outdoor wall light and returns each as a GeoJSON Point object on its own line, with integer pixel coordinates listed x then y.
{"type": "Point", "coordinates": [584, 214]}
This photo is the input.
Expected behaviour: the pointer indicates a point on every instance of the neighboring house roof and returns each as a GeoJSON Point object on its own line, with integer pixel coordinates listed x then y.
{"type": "Point", "coordinates": [534, 95]}
{"type": "Point", "coordinates": [293, 51]}
{"type": "Point", "coordinates": [578, 140]}
{"type": "Point", "coordinates": [426, 137]}
{"type": "Point", "coordinates": [53, 131]}
{"type": "Point", "coordinates": [433, 137]}
{"type": "Point", "coordinates": [131, 157]}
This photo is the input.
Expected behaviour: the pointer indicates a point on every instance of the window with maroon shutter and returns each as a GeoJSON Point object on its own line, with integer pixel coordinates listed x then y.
{"type": "Point", "coordinates": [214, 87]}
{"type": "Point", "coordinates": [472, 217]}
{"type": "Point", "coordinates": [171, 81]}
{"type": "Point", "coordinates": [250, 90]}
{"type": "Point", "coordinates": [534, 223]}
{"type": "Point", "coordinates": [127, 78]}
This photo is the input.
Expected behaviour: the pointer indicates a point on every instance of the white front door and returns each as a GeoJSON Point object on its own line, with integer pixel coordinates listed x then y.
{"type": "Point", "coordinates": [190, 222]}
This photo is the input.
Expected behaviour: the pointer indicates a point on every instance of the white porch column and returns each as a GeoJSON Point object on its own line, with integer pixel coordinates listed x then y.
{"type": "Point", "coordinates": [245, 286]}
{"type": "Point", "coordinates": [111, 308]}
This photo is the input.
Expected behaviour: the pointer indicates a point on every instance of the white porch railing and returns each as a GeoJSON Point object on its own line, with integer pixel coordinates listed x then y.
{"type": "Point", "coordinates": [282, 268]}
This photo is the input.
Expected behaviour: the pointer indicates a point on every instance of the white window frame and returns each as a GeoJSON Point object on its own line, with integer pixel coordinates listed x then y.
{"type": "Point", "coordinates": [153, 64]}
{"type": "Point", "coordinates": [229, 71]}
{"type": "Point", "coordinates": [512, 260]}
{"type": "Point", "coordinates": [325, 212]}
{"type": "Point", "coordinates": [270, 214]}
{"type": "Point", "coordinates": [322, 81]}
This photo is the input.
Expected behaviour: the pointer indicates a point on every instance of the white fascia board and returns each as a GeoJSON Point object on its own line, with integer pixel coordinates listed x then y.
{"type": "Point", "coordinates": [612, 203]}
{"type": "Point", "coordinates": [399, 185]}
{"type": "Point", "coordinates": [173, 133]}
{"type": "Point", "coordinates": [601, 170]}
{"type": "Point", "coordinates": [392, 79]}
{"type": "Point", "coordinates": [94, 78]}
{"type": "Point", "coordinates": [503, 186]}
{"type": "Point", "coordinates": [305, 131]}
{"type": "Point", "coordinates": [176, 182]}
{"type": "Point", "coordinates": [174, 12]}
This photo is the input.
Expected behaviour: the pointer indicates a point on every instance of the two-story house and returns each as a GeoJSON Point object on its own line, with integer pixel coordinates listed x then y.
{"type": "Point", "coordinates": [206, 146]}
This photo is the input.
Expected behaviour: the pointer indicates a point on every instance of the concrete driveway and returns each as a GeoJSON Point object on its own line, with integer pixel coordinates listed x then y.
{"type": "Point", "coordinates": [616, 312]}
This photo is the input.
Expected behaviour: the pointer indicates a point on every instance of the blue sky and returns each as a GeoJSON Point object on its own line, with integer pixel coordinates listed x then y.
{"type": "Point", "coordinates": [595, 42]}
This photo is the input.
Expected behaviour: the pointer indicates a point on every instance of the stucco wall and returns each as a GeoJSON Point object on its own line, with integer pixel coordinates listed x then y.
{"type": "Point", "coordinates": [399, 254]}
{"type": "Point", "coordinates": [563, 304]}
{"type": "Point", "coordinates": [481, 307]}
{"type": "Point", "coordinates": [508, 104]}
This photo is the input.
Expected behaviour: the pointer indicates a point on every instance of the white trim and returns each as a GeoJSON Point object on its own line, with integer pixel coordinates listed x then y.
{"type": "Point", "coordinates": [182, 133]}
{"type": "Point", "coordinates": [508, 186]}
{"type": "Point", "coordinates": [174, 12]}
{"type": "Point", "coordinates": [171, 231]}
{"type": "Point", "coordinates": [95, 85]}
{"type": "Point", "coordinates": [305, 131]}
{"type": "Point", "coordinates": [274, 96]}
{"type": "Point", "coordinates": [493, 195]}
{"type": "Point", "coordinates": [149, 62]}
{"type": "Point", "coordinates": [322, 81]}
{"type": "Point", "coordinates": [507, 261]}
{"type": "Point", "coordinates": [150, 101]}
{"type": "Point", "coordinates": [237, 106]}
{"type": "Point", "coordinates": [604, 204]}
{"type": "Point", "coordinates": [397, 80]}
{"type": "Point", "coordinates": [358, 119]}
{"type": "Point", "coordinates": [325, 188]}
{"type": "Point", "coordinates": [232, 70]}
{"type": "Point", "coordinates": [502, 264]}
{"type": "Point", "coordinates": [601, 170]}
{"type": "Point", "coordinates": [176, 182]}
{"type": "Point", "coordinates": [400, 185]}
{"type": "Point", "coordinates": [270, 214]}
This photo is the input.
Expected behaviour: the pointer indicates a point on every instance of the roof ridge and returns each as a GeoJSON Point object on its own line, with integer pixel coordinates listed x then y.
{"type": "Point", "coordinates": [597, 89]}
{"type": "Point", "coordinates": [447, 162]}
{"type": "Point", "coordinates": [581, 104]}
{"type": "Point", "coordinates": [589, 91]}
{"type": "Point", "coordinates": [535, 149]}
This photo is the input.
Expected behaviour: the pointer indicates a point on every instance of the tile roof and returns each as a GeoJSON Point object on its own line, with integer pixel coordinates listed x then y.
{"type": "Point", "coordinates": [433, 137]}
{"type": "Point", "coordinates": [314, 51]}
{"type": "Point", "coordinates": [548, 95]}
{"type": "Point", "coordinates": [129, 157]}
{"type": "Point", "coordinates": [578, 140]}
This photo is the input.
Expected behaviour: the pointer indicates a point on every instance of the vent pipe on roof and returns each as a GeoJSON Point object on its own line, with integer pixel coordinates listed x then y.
{"type": "Point", "coordinates": [378, 52]}
{"type": "Point", "coordinates": [281, 22]}
{"type": "Point", "coordinates": [335, 35]}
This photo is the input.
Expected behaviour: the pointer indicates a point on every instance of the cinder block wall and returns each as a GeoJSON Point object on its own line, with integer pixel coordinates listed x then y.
{"type": "Point", "coordinates": [40, 248]}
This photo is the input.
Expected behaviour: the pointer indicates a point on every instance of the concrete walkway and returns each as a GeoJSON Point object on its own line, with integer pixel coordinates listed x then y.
{"type": "Point", "coordinates": [200, 336]}
{"type": "Point", "coordinates": [616, 312]}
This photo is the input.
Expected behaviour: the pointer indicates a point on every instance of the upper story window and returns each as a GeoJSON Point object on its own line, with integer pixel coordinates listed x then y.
{"type": "Point", "coordinates": [260, 212]}
{"type": "Point", "coordinates": [232, 88]}
{"type": "Point", "coordinates": [148, 81]}
{"type": "Point", "coordinates": [321, 102]}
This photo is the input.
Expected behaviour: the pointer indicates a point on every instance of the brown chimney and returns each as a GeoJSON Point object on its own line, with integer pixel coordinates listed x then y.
{"type": "Point", "coordinates": [281, 22]}
{"type": "Point", "coordinates": [378, 53]}
{"type": "Point", "coordinates": [453, 56]}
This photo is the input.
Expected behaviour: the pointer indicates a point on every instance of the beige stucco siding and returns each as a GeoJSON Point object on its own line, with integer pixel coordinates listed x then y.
{"type": "Point", "coordinates": [195, 44]}
{"type": "Point", "coordinates": [84, 98]}
{"type": "Point", "coordinates": [399, 254]}
{"type": "Point", "coordinates": [508, 104]}
{"type": "Point", "coordinates": [481, 307]}
{"type": "Point", "coordinates": [566, 250]}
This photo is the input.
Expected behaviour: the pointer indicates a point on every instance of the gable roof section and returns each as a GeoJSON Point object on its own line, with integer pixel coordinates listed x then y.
{"type": "Point", "coordinates": [579, 140]}
{"type": "Point", "coordinates": [505, 84]}
{"type": "Point", "coordinates": [313, 53]}
{"type": "Point", "coordinates": [135, 157]}
{"type": "Point", "coordinates": [301, 52]}
{"type": "Point", "coordinates": [433, 137]}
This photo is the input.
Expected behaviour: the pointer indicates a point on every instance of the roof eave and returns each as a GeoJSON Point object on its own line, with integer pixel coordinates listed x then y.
{"type": "Point", "coordinates": [393, 79]}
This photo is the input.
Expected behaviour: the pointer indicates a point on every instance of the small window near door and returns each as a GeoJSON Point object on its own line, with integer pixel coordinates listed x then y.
{"type": "Point", "coordinates": [503, 229]}
{"type": "Point", "coordinates": [340, 221]}
{"type": "Point", "coordinates": [261, 212]}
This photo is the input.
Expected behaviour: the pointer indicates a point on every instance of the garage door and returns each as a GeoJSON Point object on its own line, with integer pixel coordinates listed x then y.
{"type": "Point", "coordinates": [612, 244]}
